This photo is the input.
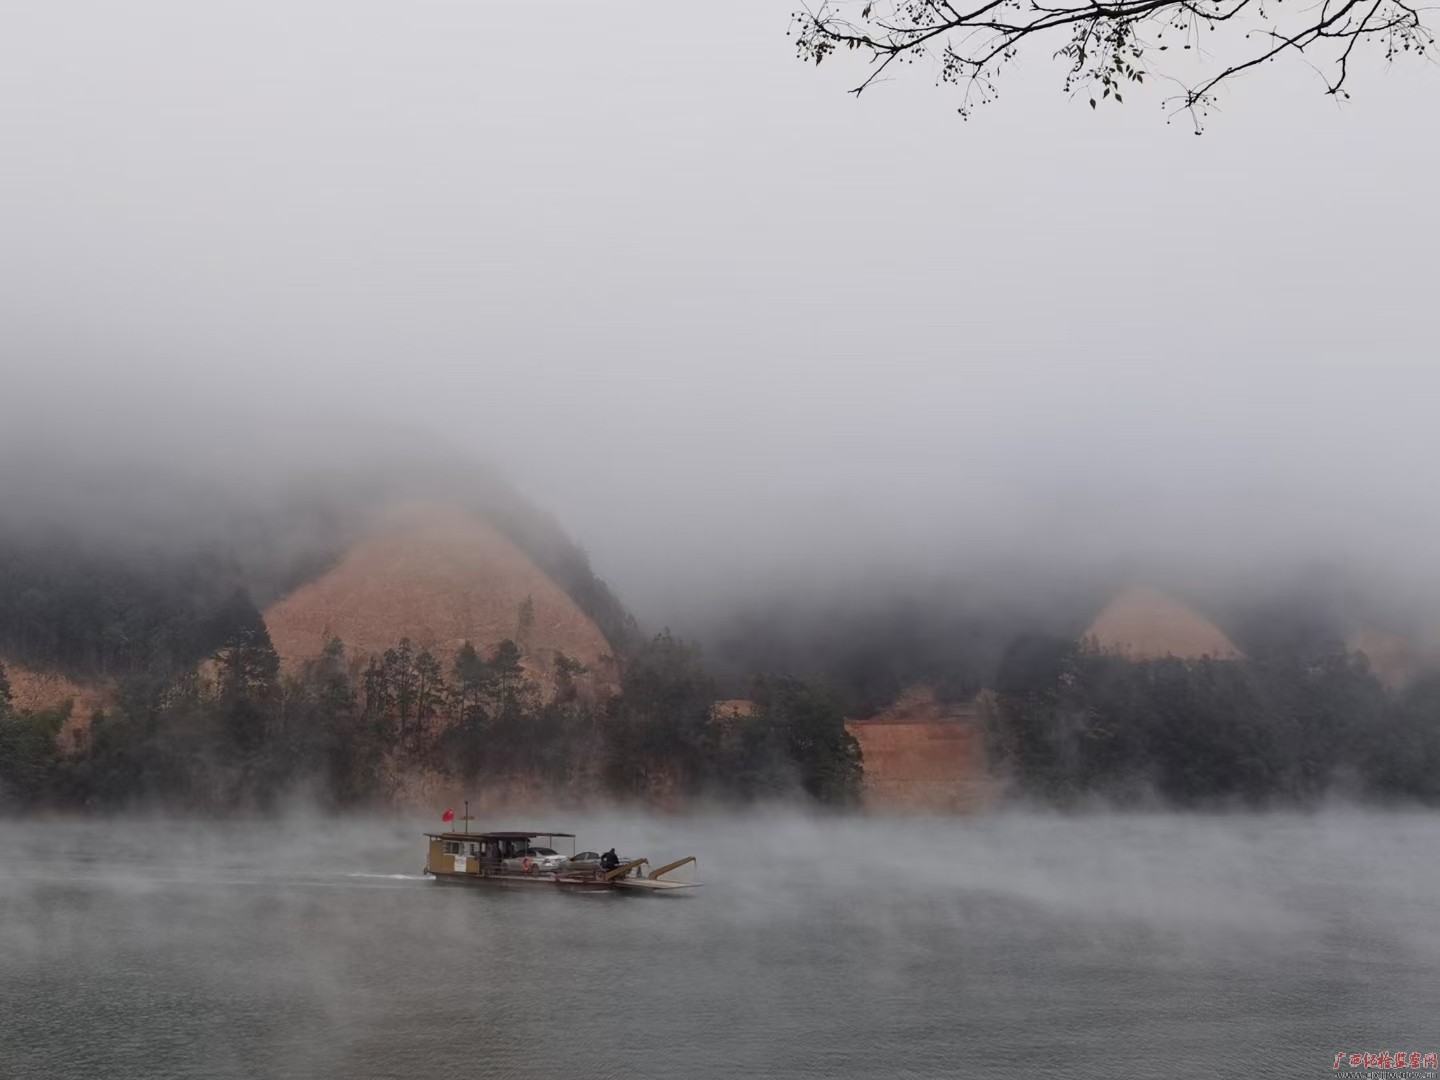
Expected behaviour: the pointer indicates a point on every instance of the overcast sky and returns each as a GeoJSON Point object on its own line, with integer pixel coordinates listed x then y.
{"type": "Point", "coordinates": [714, 312]}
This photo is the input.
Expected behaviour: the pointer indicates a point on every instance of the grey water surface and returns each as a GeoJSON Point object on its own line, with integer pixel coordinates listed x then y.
{"type": "Point", "coordinates": [1013, 945]}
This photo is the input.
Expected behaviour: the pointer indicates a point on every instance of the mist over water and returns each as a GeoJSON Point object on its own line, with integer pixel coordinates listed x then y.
{"type": "Point", "coordinates": [1106, 945]}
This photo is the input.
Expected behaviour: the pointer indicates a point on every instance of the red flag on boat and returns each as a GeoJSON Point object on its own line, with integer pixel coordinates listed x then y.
{"type": "Point", "coordinates": [448, 815]}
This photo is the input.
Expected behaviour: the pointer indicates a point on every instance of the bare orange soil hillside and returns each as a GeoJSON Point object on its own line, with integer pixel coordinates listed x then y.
{"type": "Point", "coordinates": [38, 690]}
{"type": "Point", "coordinates": [440, 577]}
{"type": "Point", "coordinates": [922, 754]}
{"type": "Point", "coordinates": [1392, 659]}
{"type": "Point", "coordinates": [1146, 624]}
{"type": "Point", "coordinates": [733, 709]}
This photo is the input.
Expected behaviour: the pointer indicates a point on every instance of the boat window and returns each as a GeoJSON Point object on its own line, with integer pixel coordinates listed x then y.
{"type": "Point", "coordinates": [452, 847]}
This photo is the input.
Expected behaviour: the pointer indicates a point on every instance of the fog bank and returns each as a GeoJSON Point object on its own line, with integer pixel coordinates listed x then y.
{"type": "Point", "coordinates": [737, 329]}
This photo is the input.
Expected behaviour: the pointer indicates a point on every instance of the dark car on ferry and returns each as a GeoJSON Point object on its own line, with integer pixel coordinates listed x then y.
{"type": "Point", "coordinates": [586, 862]}
{"type": "Point", "coordinates": [583, 860]}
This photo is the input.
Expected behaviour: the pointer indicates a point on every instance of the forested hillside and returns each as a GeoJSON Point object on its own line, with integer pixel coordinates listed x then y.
{"type": "Point", "coordinates": [108, 573]}
{"type": "Point", "coordinates": [1070, 723]}
{"type": "Point", "coordinates": [346, 732]}
{"type": "Point", "coordinates": [1291, 714]}
{"type": "Point", "coordinates": [148, 588]}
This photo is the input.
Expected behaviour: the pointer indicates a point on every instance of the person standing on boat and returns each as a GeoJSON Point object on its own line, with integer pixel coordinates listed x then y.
{"type": "Point", "coordinates": [609, 861]}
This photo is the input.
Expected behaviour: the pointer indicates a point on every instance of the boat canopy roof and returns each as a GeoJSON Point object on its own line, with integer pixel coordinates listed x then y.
{"type": "Point", "coordinates": [496, 835]}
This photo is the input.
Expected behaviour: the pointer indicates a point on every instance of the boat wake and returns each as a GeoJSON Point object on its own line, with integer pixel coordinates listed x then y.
{"type": "Point", "coordinates": [390, 877]}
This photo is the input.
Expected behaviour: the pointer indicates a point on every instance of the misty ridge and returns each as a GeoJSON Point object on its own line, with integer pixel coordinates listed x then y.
{"type": "Point", "coordinates": [140, 588]}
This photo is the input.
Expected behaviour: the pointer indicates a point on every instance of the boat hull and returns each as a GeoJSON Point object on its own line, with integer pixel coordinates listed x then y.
{"type": "Point", "coordinates": [522, 881]}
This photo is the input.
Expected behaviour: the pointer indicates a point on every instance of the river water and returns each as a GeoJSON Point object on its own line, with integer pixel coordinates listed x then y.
{"type": "Point", "coordinates": [1013, 945]}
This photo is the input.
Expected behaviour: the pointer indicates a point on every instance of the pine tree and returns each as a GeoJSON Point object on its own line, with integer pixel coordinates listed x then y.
{"type": "Point", "coordinates": [525, 623]}
{"type": "Point", "coordinates": [249, 673]}
{"type": "Point", "coordinates": [430, 691]}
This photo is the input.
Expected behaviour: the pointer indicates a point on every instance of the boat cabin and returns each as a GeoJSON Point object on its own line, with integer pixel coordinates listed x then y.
{"type": "Point", "coordinates": [485, 854]}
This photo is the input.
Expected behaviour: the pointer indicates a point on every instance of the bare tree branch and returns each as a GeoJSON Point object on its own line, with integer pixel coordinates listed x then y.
{"type": "Point", "coordinates": [1107, 46]}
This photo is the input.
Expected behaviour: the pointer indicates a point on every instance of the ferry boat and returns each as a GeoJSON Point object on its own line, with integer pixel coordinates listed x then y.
{"type": "Point", "coordinates": [512, 858]}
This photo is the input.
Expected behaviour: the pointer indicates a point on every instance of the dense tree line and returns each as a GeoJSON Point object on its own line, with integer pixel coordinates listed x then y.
{"type": "Point", "coordinates": [871, 644]}
{"type": "Point", "coordinates": [1065, 722]}
{"type": "Point", "coordinates": [1069, 721]}
{"type": "Point", "coordinates": [239, 733]}
{"type": "Point", "coordinates": [663, 728]}
{"type": "Point", "coordinates": [30, 762]}
{"type": "Point", "coordinates": [90, 611]}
